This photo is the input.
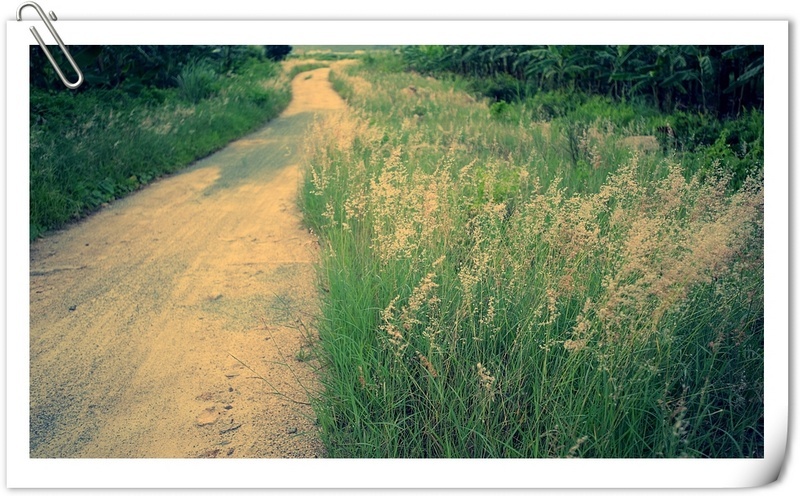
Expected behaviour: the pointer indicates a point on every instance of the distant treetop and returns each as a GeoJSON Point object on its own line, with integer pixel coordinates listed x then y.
{"type": "Point", "coordinates": [277, 52]}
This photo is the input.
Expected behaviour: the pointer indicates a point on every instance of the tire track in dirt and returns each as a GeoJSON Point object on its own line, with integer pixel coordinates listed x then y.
{"type": "Point", "coordinates": [152, 320]}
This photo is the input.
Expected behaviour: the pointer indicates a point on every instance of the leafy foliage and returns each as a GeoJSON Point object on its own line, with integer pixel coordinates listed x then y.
{"type": "Point", "coordinates": [706, 98]}
{"type": "Point", "coordinates": [133, 68]}
{"type": "Point", "coordinates": [277, 52]}
{"type": "Point", "coordinates": [722, 80]}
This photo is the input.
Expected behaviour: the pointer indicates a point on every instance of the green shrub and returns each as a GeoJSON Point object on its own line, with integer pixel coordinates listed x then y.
{"type": "Point", "coordinates": [737, 145]}
{"type": "Point", "coordinates": [500, 110]}
{"type": "Point", "coordinates": [549, 105]}
{"type": "Point", "coordinates": [500, 87]}
{"type": "Point", "coordinates": [197, 81]}
{"type": "Point", "coordinates": [693, 130]}
{"type": "Point", "coordinates": [277, 52]}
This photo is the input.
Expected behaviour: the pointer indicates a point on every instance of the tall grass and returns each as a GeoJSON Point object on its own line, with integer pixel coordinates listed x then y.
{"type": "Point", "coordinates": [487, 297]}
{"type": "Point", "coordinates": [197, 81]}
{"type": "Point", "coordinates": [92, 147]}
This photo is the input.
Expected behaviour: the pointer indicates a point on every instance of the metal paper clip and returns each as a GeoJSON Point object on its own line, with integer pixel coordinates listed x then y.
{"type": "Point", "coordinates": [49, 25]}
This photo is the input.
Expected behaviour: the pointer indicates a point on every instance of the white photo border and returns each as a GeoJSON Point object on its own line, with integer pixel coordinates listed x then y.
{"type": "Point", "coordinates": [22, 471]}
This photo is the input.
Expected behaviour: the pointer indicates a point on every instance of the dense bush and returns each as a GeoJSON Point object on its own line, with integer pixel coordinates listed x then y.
{"type": "Point", "coordinates": [134, 68]}
{"type": "Point", "coordinates": [277, 52]}
{"type": "Point", "coordinates": [502, 87]}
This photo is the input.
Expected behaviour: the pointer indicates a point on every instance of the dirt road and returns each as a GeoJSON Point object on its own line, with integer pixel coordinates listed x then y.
{"type": "Point", "coordinates": [159, 323]}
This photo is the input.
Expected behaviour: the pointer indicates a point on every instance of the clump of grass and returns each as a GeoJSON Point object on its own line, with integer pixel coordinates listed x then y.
{"type": "Point", "coordinates": [197, 81]}
{"type": "Point", "coordinates": [488, 297]}
{"type": "Point", "coordinates": [89, 148]}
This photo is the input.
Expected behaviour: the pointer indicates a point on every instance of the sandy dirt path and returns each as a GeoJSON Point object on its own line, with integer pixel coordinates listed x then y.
{"type": "Point", "coordinates": [157, 322]}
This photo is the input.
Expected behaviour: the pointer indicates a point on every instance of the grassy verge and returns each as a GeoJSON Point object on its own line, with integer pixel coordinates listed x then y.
{"type": "Point", "coordinates": [295, 67]}
{"type": "Point", "coordinates": [490, 294]}
{"type": "Point", "coordinates": [92, 147]}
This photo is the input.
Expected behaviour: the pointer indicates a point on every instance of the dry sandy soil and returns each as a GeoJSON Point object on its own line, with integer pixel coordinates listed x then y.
{"type": "Point", "coordinates": [166, 324]}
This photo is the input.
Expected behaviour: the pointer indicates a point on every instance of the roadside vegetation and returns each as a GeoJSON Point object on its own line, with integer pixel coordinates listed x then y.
{"type": "Point", "coordinates": [144, 111]}
{"type": "Point", "coordinates": [564, 272]}
{"type": "Point", "coordinates": [705, 100]}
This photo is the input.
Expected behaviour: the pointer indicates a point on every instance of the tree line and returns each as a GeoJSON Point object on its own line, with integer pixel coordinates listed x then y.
{"type": "Point", "coordinates": [721, 80]}
{"type": "Point", "coordinates": [134, 67]}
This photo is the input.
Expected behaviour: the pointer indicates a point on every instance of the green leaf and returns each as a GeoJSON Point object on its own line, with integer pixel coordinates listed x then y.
{"type": "Point", "coordinates": [676, 78]}
{"type": "Point", "coordinates": [705, 65]}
